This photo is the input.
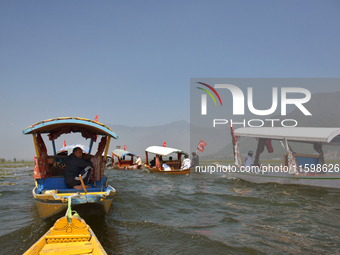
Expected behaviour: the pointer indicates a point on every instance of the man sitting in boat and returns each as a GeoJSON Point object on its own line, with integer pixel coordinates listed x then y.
{"type": "Point", "coordinates": [248, 161]}
{"type": "Point", "coordinates": [166, 167]}
{"type": "Point", "coordinates": [153, 162]}
{"type": "Point", "coordinates": [186, 164]}
{"type": "Point", "coordinates": [75, 165]}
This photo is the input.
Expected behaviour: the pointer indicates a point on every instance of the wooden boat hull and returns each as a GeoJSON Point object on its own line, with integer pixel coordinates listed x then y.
{"type": "Point", "coordinates": [55, 204]}
{"type": "Point", "coordinates": [68, 238]}
{"type": "Point", "coordinates": [175, 171]}
{"type": "Point", "coordinates": [316, 180]}
{"type": "Point", "coordinates": [128, 167]}
{"type": "Point", "coordinates": [171, 172]}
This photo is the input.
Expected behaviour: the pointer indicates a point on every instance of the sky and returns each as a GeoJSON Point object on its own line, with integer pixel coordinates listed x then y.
{"type": "Point", "coordinates": [130, 62]}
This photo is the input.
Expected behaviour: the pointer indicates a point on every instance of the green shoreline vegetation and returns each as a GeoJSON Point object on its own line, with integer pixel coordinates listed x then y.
{"type": "Point", "coordinates": [9, 164]}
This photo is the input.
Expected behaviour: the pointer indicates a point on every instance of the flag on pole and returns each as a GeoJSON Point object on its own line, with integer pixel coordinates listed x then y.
{"type": "Point", "coordinates": [125, 147]}
{"type": "Point", "coordinates": [64, 143]}
{"type": "Point", "coordinates": [164, 144]}
{"type": "Point", "coordinates": [201, 145]}
{"type": "Point", "coordinates": [95, 137]}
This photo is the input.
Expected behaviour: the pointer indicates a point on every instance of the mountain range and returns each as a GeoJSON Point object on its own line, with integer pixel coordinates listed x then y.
{"type": "Point", "coordinates": [325, 109]}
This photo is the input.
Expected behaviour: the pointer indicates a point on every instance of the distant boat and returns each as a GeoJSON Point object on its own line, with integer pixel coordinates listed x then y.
{"type": "Point", "coordinates": [50, 192]}
{"type": "Point", "coordinates": [69, 235]}
{"type": "Point", "coordinates": [122, 161]}
{"type": "Point", "coordinates": [160, 152]}
{"type": "Point", "coordinates": [296, 168]}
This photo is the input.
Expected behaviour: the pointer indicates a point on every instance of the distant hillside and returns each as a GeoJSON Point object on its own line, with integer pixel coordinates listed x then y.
{"type": "Point", "coordinates": [325, 110]}
{"type": "Point", "coordinates": [214, 142]}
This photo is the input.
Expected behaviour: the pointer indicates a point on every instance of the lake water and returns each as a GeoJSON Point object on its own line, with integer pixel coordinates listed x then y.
{"type": "Point", "coordinates": [186, 214]}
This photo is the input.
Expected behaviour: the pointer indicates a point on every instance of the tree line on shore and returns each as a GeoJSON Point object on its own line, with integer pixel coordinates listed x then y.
{"type": "Point", "coordinates": [3, 160]}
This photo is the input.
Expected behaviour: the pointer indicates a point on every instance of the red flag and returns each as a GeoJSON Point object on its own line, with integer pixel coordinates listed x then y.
{"type": "Point", "coordinates": [164, 144]}
{"type": "Point", "coordinates": [64, 143]}
{"type": "Point", "coordinates": [95, 137]}
{"type": "Point", "coordinates": [201, 145]}
{"type": "Point", "coordinates": [125, 147]}
{"type": "Point", "coordinates": [269, 146]}
{"type": "Point", "coordinates": [233, 134]}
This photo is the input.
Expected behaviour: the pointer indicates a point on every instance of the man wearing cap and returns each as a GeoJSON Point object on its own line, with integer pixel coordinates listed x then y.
{"type": "Point", "coordinates": [248, 161]}
{"type": "Point", "coordinates": [138, 162]}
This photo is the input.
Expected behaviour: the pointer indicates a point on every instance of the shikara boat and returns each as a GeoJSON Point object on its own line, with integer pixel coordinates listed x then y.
{"type": "Point", "coordinates": [50, 192]}
{"type": "Point", "coordinates": [122, 161]}
{"type": "Point", "coordinates": [296, 168]}
{"type": "Point", "coordinates": [69, 235]}
{"type": "Point", "coordinates": [160, 152]}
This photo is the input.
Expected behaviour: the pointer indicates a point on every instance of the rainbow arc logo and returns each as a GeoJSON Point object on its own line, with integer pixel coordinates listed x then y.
{"type": "Point", "coordinates": [204, 97]}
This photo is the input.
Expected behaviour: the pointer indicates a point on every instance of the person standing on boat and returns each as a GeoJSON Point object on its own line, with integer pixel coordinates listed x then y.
{"type": "Point", "coordinates": [195, 160]}
{"type": "Point", "coordinates": [186, 163]}
{"type": "Point", "coordinates": [139, 162]}
{"type": "Point", "coordinates": [75, 165]}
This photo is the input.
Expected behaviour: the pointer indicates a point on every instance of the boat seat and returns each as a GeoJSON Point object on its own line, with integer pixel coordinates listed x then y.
{"type": "Point", "coordinates": [67, 248]}
{"type": "Point", "coordinates": [58, 183]}
{"type": "Point", "coordinates": [56, 165]}
{"type": "Point", "coordinates": [124, 163]}
{"type": "Point", "coordinates": [174, 163]}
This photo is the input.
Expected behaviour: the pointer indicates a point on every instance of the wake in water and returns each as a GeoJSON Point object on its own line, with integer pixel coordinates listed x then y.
{"type": "Point", "coordinates": [153, 214]}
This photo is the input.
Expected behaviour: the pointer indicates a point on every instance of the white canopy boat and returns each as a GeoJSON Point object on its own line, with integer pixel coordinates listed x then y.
{"type": "Point", "coordinates": [122, 161]}
{"type": "Point", "coordinates": [160, 152]}
{"type": "Point", "coordinates": [303, 169]}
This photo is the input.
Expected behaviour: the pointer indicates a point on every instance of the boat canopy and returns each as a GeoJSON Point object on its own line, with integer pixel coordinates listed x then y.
{"type": "Point", "coordinates": [300, 134]}
{"type": "Point", "coordinates": [63, 125]}
{"type": "Point", "coordinates": [119, 153]}
{"type": "Point", "coordinates": [164, 151]}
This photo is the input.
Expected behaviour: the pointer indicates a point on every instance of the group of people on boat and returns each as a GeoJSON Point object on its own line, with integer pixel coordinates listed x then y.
{"type": "Point", "coordinates": [187, 163]}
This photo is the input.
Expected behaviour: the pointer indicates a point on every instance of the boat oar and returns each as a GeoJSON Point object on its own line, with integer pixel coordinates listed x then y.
{"type": "Point", "coordinates": [82, 183]}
